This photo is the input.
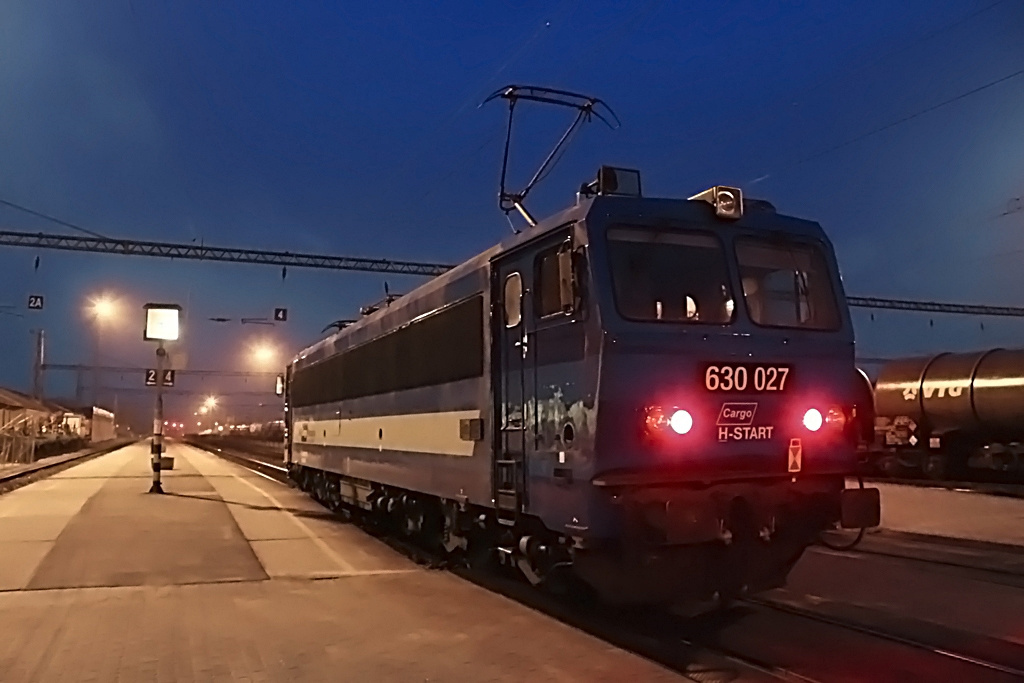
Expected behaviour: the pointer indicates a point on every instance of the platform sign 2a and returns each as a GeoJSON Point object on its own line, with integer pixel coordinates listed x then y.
{"type": "Point", "coordinates": [151, 377]}
{"type": "Point", "coordinates": [35, 302]}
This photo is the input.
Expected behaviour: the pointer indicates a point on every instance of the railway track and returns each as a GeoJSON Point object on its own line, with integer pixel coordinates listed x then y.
{"type": "Point", "coordinates": [1012, 666]}
{"type": "Point", "coordinates": [23, 475]}
{"type": "Point", "coordinates": [264, 464]}
{"type": "Point", "coordinates": [979, 557]}
{"type": "Point", "coordinates": [679, 656]}
{"type": "Point", "coordinates": [758, 637]}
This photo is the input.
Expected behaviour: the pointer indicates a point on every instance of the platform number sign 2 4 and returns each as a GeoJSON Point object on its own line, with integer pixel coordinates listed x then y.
{"type": "Point", "coordinates": [151, 378]}
{"type": "Point", "coordinates": [280, 315]}
{"type": "Point", "coordinates": [35, 302]}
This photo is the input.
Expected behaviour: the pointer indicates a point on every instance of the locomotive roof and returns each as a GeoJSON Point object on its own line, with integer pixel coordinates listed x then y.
{"type": "Point", "coordinates": [759, 216]}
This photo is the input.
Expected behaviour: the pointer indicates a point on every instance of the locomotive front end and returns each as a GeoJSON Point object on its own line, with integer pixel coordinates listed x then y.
{"type": "Point", "coordinates": [727, 411]}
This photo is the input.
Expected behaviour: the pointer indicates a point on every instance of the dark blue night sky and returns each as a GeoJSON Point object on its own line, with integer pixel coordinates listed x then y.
{"type": "Point", "coordinates": [353, 128]}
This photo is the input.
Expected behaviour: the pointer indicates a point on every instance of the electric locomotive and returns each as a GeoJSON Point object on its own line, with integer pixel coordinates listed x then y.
{"type": "Point", "coordinates": [655, 396]}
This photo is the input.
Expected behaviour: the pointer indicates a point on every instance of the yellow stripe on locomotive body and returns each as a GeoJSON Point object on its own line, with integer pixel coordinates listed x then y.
{"type": "Point", "coordinates": [668, 374]}
{"type": "Point", "coordinates": [438, 433]}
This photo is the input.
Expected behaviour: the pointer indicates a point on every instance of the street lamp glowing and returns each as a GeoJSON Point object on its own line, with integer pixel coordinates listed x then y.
{"type": "Point", "coordinates": [210, 403]}
{"type": "Point", "coordinates": [104, 307]}
{"type": "Point", "coordinates": [264, 354]}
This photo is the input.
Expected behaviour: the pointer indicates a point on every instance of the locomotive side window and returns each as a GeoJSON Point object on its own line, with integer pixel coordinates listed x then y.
{"type": "Point", "coordinates": [669, 276]}
{"type": "Point", "coordinates": [787, 284]}
{"type": "Point", "coordinates": [513, 300]}
{"type": "Point", "coordinates": [443, 347]}
{"type": "Point", "coordinates": [548, 297]}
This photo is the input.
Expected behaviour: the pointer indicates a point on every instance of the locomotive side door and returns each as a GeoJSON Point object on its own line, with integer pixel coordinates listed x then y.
{"type": "Point", "coordinates": [287, 415]}
{"type": "Point", "coordinates": [511, 358]}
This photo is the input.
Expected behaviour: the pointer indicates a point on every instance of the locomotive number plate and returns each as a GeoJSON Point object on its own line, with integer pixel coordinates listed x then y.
{"type": "Point", "coordinates": [746, 378]}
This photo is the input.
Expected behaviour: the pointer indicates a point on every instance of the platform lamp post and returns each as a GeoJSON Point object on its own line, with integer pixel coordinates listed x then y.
{"type": "Point", "coordinates": [102, 309]}
{"type": "Point", "coordinates": [161, 326]}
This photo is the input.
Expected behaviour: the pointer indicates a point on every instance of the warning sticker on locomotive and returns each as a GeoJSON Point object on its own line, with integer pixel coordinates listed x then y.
{"type": "Point", "coordinates": [796, 455]}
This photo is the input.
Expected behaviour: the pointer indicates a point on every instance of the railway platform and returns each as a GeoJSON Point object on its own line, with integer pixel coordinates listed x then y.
{"type": "Point", "coordinates": [966, 515]}
{"type": "Point", "coordinates": [233, 576]}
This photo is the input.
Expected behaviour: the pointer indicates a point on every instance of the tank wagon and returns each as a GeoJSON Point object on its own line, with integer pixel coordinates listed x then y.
{"type": "Point", "coordinates": [657, 396]}
{"type": "Point", "coordinates": [950, 414]}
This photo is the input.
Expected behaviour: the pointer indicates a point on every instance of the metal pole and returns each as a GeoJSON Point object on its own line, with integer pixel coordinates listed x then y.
{"type": "Point", "coordinates": [158, 420]}
{"type": "Point", "coordinates": [95, 361]}
{"type": "Point", "coordinates": [37, 366]}
{"type": "Point", "coordinates": [79, 388]}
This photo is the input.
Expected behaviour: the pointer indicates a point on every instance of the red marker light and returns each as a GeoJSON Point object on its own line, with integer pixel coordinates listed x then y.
{"type": "Point", "coordinates": [836, 417]}
{"type": "Point", "coordinates": [813, 419]}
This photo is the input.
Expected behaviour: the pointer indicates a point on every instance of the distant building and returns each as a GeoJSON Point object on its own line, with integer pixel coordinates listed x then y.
{"type": "Point", "coordinates": [31, 428]}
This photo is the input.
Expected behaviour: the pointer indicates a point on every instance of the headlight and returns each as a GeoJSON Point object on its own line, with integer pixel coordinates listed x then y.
{"type": "Point", "coordinates": [681, 422]}
{"type": "Point", "coordinates": [813, 419]}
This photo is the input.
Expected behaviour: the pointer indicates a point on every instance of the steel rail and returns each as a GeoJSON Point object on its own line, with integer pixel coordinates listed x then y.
{"type": "Point", "coordinates": [883, 635]}
{"type": "Point", "coordinates": [277, 472]}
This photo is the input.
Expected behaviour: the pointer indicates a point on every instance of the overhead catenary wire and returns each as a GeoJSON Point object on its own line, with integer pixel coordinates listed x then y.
{"type": "Point", "coordinates": [327, 262]}
{"type": "Point", "coordinates": [441, 131]}
{"type": "Point", "coordinates": [857, 67]}
{"type": "Point", "coordinates": [607, 44]}
{"type": "Point", "coordinates": [52, 219]}
{"type": "Point", "coordinates": [890, 125]}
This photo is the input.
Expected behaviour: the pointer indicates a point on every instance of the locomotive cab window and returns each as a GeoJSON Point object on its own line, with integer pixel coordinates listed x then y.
{"type": "Point", "coordinates": [669, 276]}
{"type": "Point", "coordinates": [787, 284]}
{"type": "Point", "coordinates": [513, 300]}
{"type": "Point", "coordinates": [553, 285]}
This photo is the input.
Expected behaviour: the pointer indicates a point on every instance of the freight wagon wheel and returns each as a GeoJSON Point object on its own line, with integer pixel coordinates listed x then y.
{"type": "Point", "coordinates": [936, 467]}
{"type": "Point", "coordinates": [843, 541]}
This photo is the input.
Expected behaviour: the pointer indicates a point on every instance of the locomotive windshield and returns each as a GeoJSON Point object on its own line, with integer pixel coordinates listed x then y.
{"type": "Point", "coordinates": [786, 284]}
{"type": "Point", "coordinates": [669, 276]}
